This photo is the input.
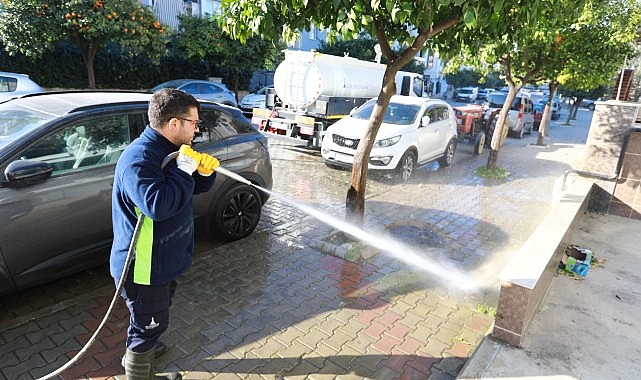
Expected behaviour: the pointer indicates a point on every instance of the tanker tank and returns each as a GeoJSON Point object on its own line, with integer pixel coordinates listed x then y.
{"type": "Point", "coordinates": [304, 76]}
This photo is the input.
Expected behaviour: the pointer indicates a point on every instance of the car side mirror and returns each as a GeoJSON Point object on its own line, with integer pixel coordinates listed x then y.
{"type": "Point", "coordinates": [27, 172]}
{"type": "Point", "coordinates": [425, 120]}
{"type": "Point", "coordinates": [351, 112]}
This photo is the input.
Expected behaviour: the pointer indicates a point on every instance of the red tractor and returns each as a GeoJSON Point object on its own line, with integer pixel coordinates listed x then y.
{"type": "Point", "coordinates": [469, 121]}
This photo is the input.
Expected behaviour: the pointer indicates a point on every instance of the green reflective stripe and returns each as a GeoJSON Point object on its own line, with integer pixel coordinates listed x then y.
{"type": "Point", "coordinates": [142, 265]}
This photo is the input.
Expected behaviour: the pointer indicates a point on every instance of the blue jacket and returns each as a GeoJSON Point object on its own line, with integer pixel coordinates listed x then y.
{"type": "Point", "coordinates": [166, 241]}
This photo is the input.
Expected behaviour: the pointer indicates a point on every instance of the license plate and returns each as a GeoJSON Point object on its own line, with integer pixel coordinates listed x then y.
{"type": "Point", "coordinates": [340, 157]}
{"type": "Point", "coordinates": [307, 131]}
{"type": "Point", "coordinates": [278, 125]}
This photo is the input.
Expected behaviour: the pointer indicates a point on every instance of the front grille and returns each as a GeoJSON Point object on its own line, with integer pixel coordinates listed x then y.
{"type": "Point", "coordinates": [345, 142]}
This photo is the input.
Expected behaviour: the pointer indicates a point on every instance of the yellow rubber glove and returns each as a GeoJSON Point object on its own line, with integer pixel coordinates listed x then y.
{"type": "Point", "coordinates": [208, 164]}
{"type": "Point", "coordinates": [187, 159]}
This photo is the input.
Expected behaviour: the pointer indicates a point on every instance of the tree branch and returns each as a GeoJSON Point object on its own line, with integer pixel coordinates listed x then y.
{"type": "Point", "coordinates": [386, 49]}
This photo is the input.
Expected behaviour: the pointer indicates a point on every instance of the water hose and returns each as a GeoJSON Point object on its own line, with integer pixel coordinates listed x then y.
{"type": "Point", "coordinates": [125, 272]}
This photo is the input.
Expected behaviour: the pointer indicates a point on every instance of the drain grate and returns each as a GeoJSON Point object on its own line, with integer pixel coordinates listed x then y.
{"type": "Point", "coordinates": [417, 236]}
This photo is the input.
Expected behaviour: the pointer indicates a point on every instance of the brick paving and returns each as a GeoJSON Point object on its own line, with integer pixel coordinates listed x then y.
{"type": "Point", "coordinates": [274, 307]}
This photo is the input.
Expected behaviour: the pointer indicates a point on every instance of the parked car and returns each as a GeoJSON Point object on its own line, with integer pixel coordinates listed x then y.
{"type": "Point", "coordinates": [201, 90]}
{"type": "Point", "coordinates": [555, 111]}
{"type": "Point", "coordinates": [483, 92]}
{"type": "Point", "coordinates": [414, 131]}
{"type": "Point", "coordinates": [520, 115]}
{"type": "Point", "coordinates": [467, 94]}
{"type": "Point", "coordinates": [13, 85]}
{"type": "Point", "coordinates": [254, 100]}
{"type": "Point", "coordinates": [588, 103]}
{"type": "Point", "coordinates": [58, 153]}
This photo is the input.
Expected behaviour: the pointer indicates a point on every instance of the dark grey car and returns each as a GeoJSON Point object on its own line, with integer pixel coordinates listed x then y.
{"type": "Point", "coordinates": [58, 153]}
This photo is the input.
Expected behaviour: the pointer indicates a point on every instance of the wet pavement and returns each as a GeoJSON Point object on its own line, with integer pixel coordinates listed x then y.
{"type": "Point", "coordinates": [278, 305]}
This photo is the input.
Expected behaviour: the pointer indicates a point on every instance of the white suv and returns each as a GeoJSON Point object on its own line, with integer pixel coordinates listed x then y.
{"type": "Point", "coordinates": [414, 131]}
{"type": "Point", "coordinates": [521, 114]}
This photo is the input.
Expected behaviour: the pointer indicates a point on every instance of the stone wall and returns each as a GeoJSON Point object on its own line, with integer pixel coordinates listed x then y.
{"type": "Point", "coordinates": [615, 131]}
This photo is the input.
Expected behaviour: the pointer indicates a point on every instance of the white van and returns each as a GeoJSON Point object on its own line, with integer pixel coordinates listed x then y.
{"type": "Point", "coordinates": [467, 94]}
{"type": "Point", "coordinates": [521, 114]}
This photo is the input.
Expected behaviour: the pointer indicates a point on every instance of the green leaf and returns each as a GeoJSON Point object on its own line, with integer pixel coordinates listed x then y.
{"type": "Point", "coordinates": [469, 18]}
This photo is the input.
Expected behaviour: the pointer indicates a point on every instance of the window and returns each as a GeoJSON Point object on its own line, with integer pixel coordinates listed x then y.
{"type": "Point", "coordinates": [209, 89]}
{"type": "Point", "coordinates": [433, 114]}
{"type": "Point", "coordinates": [444, 113]}
{"type": "Point", "coordinates": [8, 84]}
{"type": "Point", "coordinates": [191, 88]}
{"type": "Point", "coordinates": [91, 142]}
{"type": "Point", "coordinates": [312, 32]}
{"type": "Point", "coordinates": [417, 86]}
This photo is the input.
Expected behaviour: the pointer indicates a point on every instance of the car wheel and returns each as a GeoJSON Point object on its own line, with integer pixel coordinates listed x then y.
{"type": "Point", "coordinates": [237, 213]}
{"type": "Point", "coordinates": [591, 107]}
{"type": "Point", "coordinates": [479, 143]}
{"type": "Point", "coordinates": [406, 166]}
{"type": "Point", "coordinates": [448, 155]}
{"type": "Point", "coordinates": [521, 132]}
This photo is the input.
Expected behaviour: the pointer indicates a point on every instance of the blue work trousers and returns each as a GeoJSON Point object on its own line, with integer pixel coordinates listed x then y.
{"type": "Point", "coordinates": [149, 313]}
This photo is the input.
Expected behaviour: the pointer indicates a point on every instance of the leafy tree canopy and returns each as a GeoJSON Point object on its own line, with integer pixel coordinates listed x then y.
{"type": "Point", "coordinates": [463, 78]}
{"type": "Point", "coordinates": [32, 27]}
{"type": "Point", "coordinates": [363, 49]}
{"type": "Point", "coordinates": [201, 38]}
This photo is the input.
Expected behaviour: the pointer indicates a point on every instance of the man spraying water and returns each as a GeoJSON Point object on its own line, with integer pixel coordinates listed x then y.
{"type": "Point", "coordinates": [164, 247]}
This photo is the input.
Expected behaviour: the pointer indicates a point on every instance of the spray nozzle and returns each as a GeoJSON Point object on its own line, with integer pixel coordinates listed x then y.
{"type": "Point", "coordinates": [218, 169]}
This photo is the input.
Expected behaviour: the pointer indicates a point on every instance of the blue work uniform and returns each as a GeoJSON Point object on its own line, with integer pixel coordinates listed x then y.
{"type": "Point", "coordinates": [165, 245]}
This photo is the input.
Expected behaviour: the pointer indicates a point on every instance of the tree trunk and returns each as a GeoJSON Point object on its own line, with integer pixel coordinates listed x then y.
{"type": "Point", "coordinates": [574, 109]}
{"type": "Point", "coordinates": [545, 118]}
{"type": "Point", "coordinates": [89, 48]}
{"type": "Point", "coordinates": [502, 126]}
{"type": "Point", "coordinates": [492, 159]}
{"type": "Point", "coordinates": [236, 83]}
{"type": "Point", "coordinates": [570, 110]}
{"type": "Point", "coordinates": [355, 200]}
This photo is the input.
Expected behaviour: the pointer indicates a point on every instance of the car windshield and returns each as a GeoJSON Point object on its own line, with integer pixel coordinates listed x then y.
{"type": "Point", "coordinates": [402, 114]}
{"type": "Point", "coordinates": [465, 91]}
{"type": "Point", "coordinates": [263, 91]}
{"type": "Point", "coordinates": [16, 121]}
{"type": "Point", "coordinates": [496, 100]}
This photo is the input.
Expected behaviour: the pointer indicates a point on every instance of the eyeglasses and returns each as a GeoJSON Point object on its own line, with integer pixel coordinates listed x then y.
{"type": "Point", "coordinates": [197, 123]}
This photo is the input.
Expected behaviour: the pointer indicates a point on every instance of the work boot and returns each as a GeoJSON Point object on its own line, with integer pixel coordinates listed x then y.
{"type": "Point", "coordinates": [140, 366]}
{"type": "Point", "coordinates": [161, 348]}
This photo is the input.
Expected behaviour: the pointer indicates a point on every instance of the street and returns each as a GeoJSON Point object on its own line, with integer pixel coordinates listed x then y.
{"type": "Point", "coordinates": [273, 306]}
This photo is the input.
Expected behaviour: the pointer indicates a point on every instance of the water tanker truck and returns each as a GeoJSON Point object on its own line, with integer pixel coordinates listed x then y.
{"type": "Point", "coordinates": [313, 90]}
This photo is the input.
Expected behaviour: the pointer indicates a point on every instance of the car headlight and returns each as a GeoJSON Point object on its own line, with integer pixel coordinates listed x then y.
{"type": "Point", "coordinates": [380, 160]}
{"type": "Point", "coordinates": [387, 142]}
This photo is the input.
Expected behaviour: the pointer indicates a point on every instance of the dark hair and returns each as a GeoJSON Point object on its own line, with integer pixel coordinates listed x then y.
{"type": "Point", "coordinates": [169, 103]}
